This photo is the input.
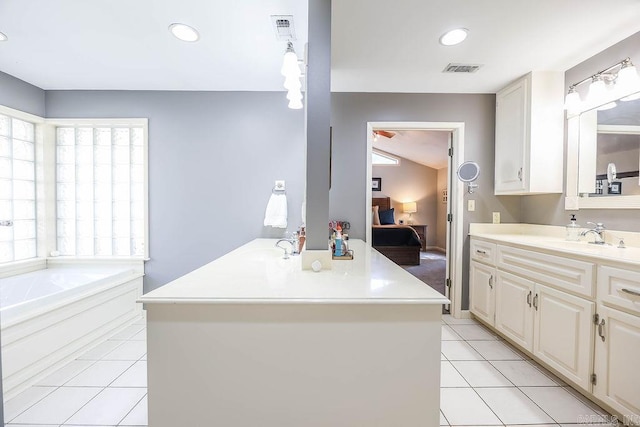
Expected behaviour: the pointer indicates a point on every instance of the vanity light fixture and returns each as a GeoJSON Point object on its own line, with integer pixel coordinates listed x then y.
{"type": "Point", "coordinates": [621, 75]}
{"type": "Point", "coordinates": [3, 37]}
{"type": "Point", "coordinates": [184, 32]}
{"type": "Point", "coordinates": [453, 37]}
{"type": "Point", "coordinates": [291, 71]}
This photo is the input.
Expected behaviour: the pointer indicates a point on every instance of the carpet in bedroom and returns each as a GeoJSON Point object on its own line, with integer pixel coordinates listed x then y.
{"type": "Point", "coordinates": [432, 269]}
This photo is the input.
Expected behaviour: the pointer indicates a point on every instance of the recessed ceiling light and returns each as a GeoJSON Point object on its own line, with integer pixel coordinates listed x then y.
{"type": "Point", "coordinates": [184, 32]}
{"type": "Point", "coordinates": [454, 36]}
{"type": "Point", "coordinates": [3, 37]}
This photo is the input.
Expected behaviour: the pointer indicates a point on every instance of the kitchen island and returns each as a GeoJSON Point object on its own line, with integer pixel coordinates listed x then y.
{"type": "Point", "coordinates": [250, 339]}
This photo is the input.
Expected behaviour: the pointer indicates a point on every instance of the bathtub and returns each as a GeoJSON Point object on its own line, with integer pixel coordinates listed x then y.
{"type": "Point", "coordinates": [50, 316]}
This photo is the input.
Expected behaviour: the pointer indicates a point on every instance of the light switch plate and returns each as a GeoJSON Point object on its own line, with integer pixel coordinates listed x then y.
{"type": "Point", "coordinates": [496, 217]}
{"type": "Point", "coordinates": [471, 205]}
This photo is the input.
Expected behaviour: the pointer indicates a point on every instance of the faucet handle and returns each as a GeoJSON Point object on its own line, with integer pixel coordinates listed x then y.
{"type": "Point", "coordinates": [599, 225]}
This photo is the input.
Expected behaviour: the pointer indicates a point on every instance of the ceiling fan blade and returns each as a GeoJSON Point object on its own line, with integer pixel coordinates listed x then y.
{"type": "Point", "coordinates": [385, 133]}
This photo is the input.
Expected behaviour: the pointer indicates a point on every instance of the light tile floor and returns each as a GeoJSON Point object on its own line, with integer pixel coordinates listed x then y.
{"type": "Point", "coordinates": [485, 382]}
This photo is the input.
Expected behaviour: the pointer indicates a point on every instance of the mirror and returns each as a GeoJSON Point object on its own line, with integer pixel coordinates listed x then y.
{"type": "Point", "coordinates": [606, 141]}
{"type": "Point", "coordinates": [468, 172]}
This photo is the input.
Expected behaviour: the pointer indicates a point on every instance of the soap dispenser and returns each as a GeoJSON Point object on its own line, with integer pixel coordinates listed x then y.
{"type": "Point", "coordinates": [573, 230]}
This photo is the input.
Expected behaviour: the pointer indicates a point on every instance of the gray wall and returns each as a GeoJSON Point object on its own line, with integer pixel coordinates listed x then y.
{"type": "Point", "coordinates": [350, 113]}
{"type": "Point", "coordinates": [549, 209]}
{"type": "Point", "coordinates": [411, 182]}
{"type": "Point", "coordinates": [213, 159]}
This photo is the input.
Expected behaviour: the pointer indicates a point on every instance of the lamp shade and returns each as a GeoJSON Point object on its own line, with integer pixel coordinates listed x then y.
{"type": "Point", "coordinates": [409, 207]}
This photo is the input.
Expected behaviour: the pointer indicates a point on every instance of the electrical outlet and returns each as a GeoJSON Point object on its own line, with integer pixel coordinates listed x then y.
{"type": "Point", "coordinates": [471, 205]}
{"type": "Point", "coordinates": [496, 217]}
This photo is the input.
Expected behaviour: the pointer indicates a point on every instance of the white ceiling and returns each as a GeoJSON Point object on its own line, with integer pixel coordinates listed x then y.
{"type": "Point", "coordinates": [377, 45]}
{"type": "Point", "coordinates": [429, 148]}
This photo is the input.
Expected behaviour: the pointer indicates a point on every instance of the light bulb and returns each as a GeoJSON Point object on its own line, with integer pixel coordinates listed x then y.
{"type": "Point", "coordinates": [184, 32]}
{"type": "Point", "coordinates": [294, 94]}
{"type": "Point", "coordinates": [597, 89]}
{"type": "Point", "coordinates": [572, 100]}
{"type": "Point", "coordinates": [628, 78]}
{"type": "Point", "coordinates": [291, 83]}
{"type": "Point", "coordinates": [454, 37]}
{"type": "Point", "coordinates": [290, 66]}
{"type": "Point", "coordinates": [295, 104]}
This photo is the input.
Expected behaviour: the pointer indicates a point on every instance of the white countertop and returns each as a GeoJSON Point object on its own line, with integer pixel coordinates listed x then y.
{"type": "Point", "coordinates": [257, 273]}
{"type": "Point", "coordinates": [553, 238]}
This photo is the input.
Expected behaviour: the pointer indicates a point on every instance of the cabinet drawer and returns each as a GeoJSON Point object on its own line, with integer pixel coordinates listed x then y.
{"type": "Point", "coordinates": [619, 287]}
{"type": "Point", "coordinates": [483, 251]}
{"type": "Point", "coordinates": [559, 272]}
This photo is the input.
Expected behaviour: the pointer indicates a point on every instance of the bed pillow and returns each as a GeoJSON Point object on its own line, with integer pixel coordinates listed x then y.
{"type": "Point", "coordinates": [386, 217]}
{"type": "Point", "coordinates": [375, 217]}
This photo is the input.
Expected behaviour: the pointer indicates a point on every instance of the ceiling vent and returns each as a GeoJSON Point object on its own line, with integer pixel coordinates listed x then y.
{"type": "Point", "coordinates": [461, 68]}
{"type": "Point", "coordinates": [283, 27]}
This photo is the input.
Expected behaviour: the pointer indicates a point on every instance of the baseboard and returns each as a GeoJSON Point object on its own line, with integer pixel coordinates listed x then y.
{"type": "Point", "coordinates": [465, 314]}
{"type": "Point", "coordinates": [436, 248]}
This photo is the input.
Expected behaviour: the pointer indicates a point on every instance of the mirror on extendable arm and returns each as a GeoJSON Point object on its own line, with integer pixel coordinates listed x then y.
{"type": "Point", "coordinates": [468, 172]}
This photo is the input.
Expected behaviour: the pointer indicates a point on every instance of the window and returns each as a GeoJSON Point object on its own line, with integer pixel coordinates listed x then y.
{"type": "Point", "coordinates": [100, 190]}
{"type": "Point", "coordinates": [379, 158]}
{"type": "Point", "coordinates": [17, 189]}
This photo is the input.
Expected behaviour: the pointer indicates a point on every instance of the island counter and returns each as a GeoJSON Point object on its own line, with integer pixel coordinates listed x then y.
{"type": "Point", "coordinates": [252, 340]}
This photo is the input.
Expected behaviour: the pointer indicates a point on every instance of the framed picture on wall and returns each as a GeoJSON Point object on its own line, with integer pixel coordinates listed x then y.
{"type": "Point", "coordinates": [376, 184]}
{"type": "Point", "coordinates": [615, 188]}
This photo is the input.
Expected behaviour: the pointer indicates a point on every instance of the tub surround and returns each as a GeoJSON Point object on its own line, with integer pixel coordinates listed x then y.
{"type": "Point", "coordinates": [251, 339]}
{"type": "Point", "coordinates": [572, 306]}
{"type": "Point", "coordinates": [51, 315]}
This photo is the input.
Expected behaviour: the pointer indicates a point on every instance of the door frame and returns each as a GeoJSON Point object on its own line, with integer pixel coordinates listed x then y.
{"type": "Point", "coordinates": [455, 197]}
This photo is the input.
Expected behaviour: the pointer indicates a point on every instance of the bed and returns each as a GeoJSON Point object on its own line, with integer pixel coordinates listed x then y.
{"type": "Point", "coordinates": [399, 243]}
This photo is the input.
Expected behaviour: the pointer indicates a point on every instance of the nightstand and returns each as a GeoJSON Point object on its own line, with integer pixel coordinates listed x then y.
{"type": "Point", "coordinates": [422, 233]}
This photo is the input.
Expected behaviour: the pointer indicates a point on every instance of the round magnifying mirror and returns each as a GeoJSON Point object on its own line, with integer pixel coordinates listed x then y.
{"type": "Point", "coordinates": [468, 171]}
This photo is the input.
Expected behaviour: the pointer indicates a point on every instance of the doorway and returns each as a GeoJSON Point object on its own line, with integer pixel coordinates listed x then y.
{"type": "Point", "coordinates": [454, 198]}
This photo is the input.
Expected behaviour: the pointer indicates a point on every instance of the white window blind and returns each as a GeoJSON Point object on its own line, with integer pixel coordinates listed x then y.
{"type": "Point", "coordinates": [100, 190]}
{"type": "Point", "coordinates": [17, 189]}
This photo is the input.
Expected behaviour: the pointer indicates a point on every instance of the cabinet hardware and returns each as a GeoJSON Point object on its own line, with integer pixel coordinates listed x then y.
{"type": "Point", "coordinates": [535, 302]}
{"type": "Point", "coordinates": [520, 174]}
{"type": "Point", "coordinates": [529, 299]}
{"type": "Point", "coordinates": [630, 292]}
{"type": "Point", "coordinates": [601, 329]}
{"type": "Point", "coordinates": [596, 318]}
{"type": "Point", "coordinates": [491, 281]}
{"type": "Point", "coordinates": [594, 379]}
{"type": "Point", "coordinates": [478, 251]}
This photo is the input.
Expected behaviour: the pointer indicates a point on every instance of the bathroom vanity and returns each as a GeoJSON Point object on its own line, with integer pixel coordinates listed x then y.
{"type": "Point", "coordinates": [250, 339]}
{"type": "Point", "coordinates": [572, 306]}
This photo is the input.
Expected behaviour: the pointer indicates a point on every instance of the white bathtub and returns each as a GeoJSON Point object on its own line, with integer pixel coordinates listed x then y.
{"type": "Point", "coordinates": [50, 316]}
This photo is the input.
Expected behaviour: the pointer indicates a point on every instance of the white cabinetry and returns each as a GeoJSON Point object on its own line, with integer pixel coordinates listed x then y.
{"type": "Point", "coordinates": [551, 324]}
{"type": "Point", "coordinates": [514, 317]}
{"type": "Point", "coordinates": [529, 135]}
{"type": "Point", "coordinates": [481, 281]}
{"type": "Point", "coordinates": [618, 341]}
{"type": "Point", "coordinates": [617, 350]}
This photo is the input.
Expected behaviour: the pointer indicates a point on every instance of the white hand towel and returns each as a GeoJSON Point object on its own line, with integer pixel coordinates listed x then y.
{"type": "Point", "coordinates": [276, 213]}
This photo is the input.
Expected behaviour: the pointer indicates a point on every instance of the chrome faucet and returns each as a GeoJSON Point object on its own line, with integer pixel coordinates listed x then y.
{"type": "Point", "coordinates": [597, 231]}
{"type": "Point", "coordinates": [294, 247]}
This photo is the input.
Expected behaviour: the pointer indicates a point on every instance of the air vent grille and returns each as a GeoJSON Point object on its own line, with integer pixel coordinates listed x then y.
{"type": "Point", "coordinates": [461, 68]}
{"type": "Point", "coordinates": [283, 27]}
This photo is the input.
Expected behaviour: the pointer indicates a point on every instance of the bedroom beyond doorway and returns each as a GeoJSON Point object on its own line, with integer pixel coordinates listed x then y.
{"type": "Point", "coordinates": [421, 191]}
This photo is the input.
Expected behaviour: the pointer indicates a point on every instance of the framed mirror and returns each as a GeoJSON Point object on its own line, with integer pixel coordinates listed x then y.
{"type": "Point", "coordinates": [603, 157]}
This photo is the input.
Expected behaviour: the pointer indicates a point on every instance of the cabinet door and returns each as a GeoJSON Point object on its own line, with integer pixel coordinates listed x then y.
{"type": "Point", "coordinates": [514, 312]}
{"type": "Point", "coordinates": [616, 363]}
{"type": "Point", "coordinates": [481, 296]}
{"type": "Point", "coordinates": [563, 333]}
{"type": "Point", "coordinates": [511, 138]}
